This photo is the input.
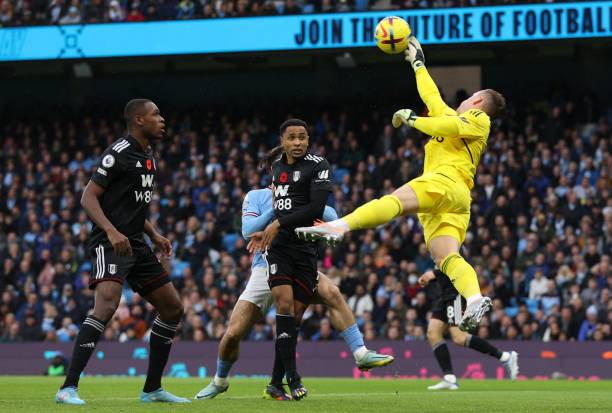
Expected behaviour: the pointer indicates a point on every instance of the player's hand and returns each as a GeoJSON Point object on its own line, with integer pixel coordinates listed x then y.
{"type": "Point", "coordinates": [269, 234]}
{"type": "Point", "coordinates": [163, 243]}
{"type": "Point", "coordinates": [404, 116]}
{"type": "Point", "coordinates": [254, 244]}
{"type": "Point", "coordinates": [165, 261]}
{"type": "Point", "coordinates": [120, 243]}
{"type": "Point", "coordinates": [426, 278]}
{"type": "Point", "coordinates": [414, 53]}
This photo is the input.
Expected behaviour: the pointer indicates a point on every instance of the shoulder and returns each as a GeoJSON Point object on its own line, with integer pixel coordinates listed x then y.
{"type": "Point", "coordinates": [121, 145]}
{"type": "Point", "coordinates": [475, 116]}
{"type": "Point", "coordinates": [115, 152]}
{"type": "Point", "coordinates": [314, 158]}
{"type": "Point", "coordinates": [255, 196]}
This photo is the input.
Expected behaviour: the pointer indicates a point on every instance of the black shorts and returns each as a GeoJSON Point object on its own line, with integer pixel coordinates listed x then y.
{"type": "Point", "coordinates": [142, 269]}
{"type": "Point", "coordinates": [296, 268]}
{"type": "Point", "coordinates": [449, 311]}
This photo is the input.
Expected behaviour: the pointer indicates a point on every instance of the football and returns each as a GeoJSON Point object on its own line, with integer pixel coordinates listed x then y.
{"type": "Point", "coordinates": [392, 34]}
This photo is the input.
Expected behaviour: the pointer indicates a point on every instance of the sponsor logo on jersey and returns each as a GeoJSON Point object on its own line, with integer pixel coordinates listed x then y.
{"type": "Point", "coordinates": [147, 181]}
{"type": "Point", "coordinates": [281, 190]}
{"type": "Point", "coordinates": [324, 174]}
{"type": "Point", "coordinates": [138, 164]}
{"type": "Point", "coordinates": [149, 165]}
{"type": "Point", "coordinates": [296, 176]}
{"type": "Point", "coordinates": [112, 268]}
{"type": "Point", "coordinates": [273, 269]}
{"type": "Point", "coordinates": [108, 161]}
{"type": "Point", "coordinates": [284, 177]}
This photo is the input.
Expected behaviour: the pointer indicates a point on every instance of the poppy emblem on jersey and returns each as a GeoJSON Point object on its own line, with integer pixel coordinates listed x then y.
{"type": "Point", "coordinates": [296, 176]}
{"type": "Point", "coordinates": [112, 268]}
{"type": "Point", "coordinates": [149, 164]}
{"type": "Point", "coordinates": [273, 269]}
{"type": "Point", "coordinates": [283, 177]}
{"type": "Point", "coordinates": [108, 161]}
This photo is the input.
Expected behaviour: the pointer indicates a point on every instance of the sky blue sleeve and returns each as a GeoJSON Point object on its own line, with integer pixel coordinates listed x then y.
{"type": "Point", "coordinates": [255, 215]}
{"type": "Point", "coordinates": [329, 214]}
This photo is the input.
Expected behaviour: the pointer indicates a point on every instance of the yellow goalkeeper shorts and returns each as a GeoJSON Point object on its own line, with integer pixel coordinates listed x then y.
{"type": "Point", "coordinates": [444, 205]}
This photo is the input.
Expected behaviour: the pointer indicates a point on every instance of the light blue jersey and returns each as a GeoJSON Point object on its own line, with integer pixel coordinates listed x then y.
{"type": "Point", "coordinates": [257, 213]}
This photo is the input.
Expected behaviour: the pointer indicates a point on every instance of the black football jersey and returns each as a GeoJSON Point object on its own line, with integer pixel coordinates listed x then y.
{"type": "Point", "coordinates": [293, 186]}
{"type": "Point", "coordinates": [445, 288]}
{"type": "Point", "coordinates": [127, 172]}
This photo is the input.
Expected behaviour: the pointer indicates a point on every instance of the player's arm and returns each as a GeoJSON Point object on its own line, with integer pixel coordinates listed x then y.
{"type": "Point", "coordinates": [425, 85]}
{"type": "Point", "coordinates": [90, 201]}
{"type": "Point", "coordinates": [108, 169]}
{"type": "Point", "coordinates": [255, 215]}
{"type": "Point", "coordinates": [426, 278]}
{"type": "Point", "coordinates": [163, 243]}
{"type": "Point", "coordinates": [471, 124]}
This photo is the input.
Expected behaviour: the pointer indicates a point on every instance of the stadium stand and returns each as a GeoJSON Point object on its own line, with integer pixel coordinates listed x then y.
{"type": "Point", "coordinates": [540, 237]}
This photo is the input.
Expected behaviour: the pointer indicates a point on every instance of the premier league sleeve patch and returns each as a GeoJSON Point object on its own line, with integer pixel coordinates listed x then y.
{"type": "Point", "coordinates": [108, 161]}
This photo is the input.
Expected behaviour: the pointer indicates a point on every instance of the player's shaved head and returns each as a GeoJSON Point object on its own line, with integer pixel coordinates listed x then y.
{"type": "Point", "coordinates": [494, 104]}
{"type": "Point", "coordinates": [133, 108]}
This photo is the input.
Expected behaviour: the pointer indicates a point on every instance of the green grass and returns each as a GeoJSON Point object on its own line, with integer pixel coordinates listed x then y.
{"type": "Point", "coordinates": [35, 394]}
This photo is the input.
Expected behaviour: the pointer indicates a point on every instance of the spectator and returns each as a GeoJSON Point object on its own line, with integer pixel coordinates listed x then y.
{"type": "Point", "coordinates": [72, 17]}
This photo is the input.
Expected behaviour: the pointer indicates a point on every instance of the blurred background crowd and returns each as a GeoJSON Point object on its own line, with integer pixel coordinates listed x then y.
{"type": "Point", "coordinates": [540, 237]}
{"type": "Point", "coordinates": [45, 12]}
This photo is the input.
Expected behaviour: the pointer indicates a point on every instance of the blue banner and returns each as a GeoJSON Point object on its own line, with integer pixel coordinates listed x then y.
{"type": "Point", "coordinates": [304, 32]}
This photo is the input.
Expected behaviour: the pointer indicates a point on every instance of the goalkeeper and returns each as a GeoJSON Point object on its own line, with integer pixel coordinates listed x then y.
{"type": "Point", "coordinates": [441, 195]}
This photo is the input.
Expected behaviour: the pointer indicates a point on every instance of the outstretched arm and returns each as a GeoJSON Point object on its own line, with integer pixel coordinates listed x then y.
{"type": "Point", "coordinates": [425, 85]}
{"type": "Point", "coordinates": [471, 124]}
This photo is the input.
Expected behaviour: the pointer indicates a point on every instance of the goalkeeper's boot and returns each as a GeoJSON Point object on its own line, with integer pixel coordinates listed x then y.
{"type": "Point", "coordinates": [449, 382]}
{"type": "Point", "coordinates": [276, 392]}
{"type": "Point", "coordinates": [298, 391]}
{"type": "Point", "coordinates": [331, 234]}
{"type": "Point", "coordinates": [372, 359]}
{"type": "Point", "coordinates": [211, 391]}
{"type": "Point", "coordinates": [68, 395]}
{"type": "Point", "coordinates": [511, 365]}
{"type": "Point", "coordinates": [161, 396]}
{"type": "Point", "coordinates": [474, 313]}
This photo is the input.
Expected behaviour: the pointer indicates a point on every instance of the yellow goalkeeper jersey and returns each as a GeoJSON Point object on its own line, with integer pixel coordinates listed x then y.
{"type": "Point", "coordinates": [457, 141]}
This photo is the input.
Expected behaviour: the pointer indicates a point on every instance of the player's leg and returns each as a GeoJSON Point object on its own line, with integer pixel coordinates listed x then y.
{"type": "Point", "coordinates": [244, 316]}
{"type": "Point", "coordinates": [343, 320]}
{"type": "Point", "coordinates": [377, 212]}
{"type": "Point", "coordinates": [107, 296]}
{"type": "Point", "coordinates": [254, 301]}
{"type": "Point", "coordinates": [435, 337]}
{"type": "Point", "coordinates": [444, 247]}
{"type": "Point", "coordinates": [286, 333]}
{"type": "Point", "coordinates": [164, 297]}
{"type": "Point", "coordinates": [508, 358]}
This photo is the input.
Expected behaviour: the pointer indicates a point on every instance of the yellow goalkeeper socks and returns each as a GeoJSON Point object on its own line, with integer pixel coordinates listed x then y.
{"type": "Point", "coordinates": [462, 275]}
{"type": "Point", "coordinates": [374, 213]}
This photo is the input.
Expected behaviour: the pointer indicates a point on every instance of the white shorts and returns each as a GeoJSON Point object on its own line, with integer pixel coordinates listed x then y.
{"type": "Point", "coordinates": [257, 290]}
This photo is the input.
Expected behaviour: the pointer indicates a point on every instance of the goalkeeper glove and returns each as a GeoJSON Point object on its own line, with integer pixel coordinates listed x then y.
{"type": "Point", "coordinates": [414, 54]}
{"type": "Point", "coordinates": [406, 116]}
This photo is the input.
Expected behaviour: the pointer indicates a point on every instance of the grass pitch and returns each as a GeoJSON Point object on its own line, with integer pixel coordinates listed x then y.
{"type": "Point", "coordinates": [116, 395]}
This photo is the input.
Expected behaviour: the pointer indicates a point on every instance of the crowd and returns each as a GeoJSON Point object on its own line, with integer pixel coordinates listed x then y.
{"type": "Point", "coordinates": [540, 237]}
{"type": "Point", "coordinates": [45, 12]}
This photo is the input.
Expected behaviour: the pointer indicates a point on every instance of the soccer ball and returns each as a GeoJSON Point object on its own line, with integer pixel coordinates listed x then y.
{"type": "Point", "coordinates": [392, 34]}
